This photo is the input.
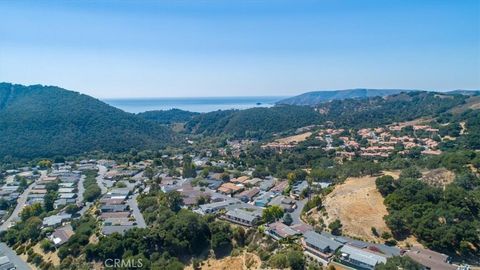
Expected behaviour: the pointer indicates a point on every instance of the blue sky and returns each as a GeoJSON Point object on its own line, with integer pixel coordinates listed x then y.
{"type": "Point", "coordinates": [238, 48]}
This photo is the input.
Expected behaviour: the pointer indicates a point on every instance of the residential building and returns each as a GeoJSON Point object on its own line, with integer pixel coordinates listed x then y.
{"type": "Point", "coordinates": [430, 259]}
{"type": "Point", "coordinates": [247, 195]}
{"type": "Point", "coordinates": [243, 217]}
{"type": "Point", "coordinates": [360, 258]}
{"type": "Point", "coordinates": [320, 246]}
{"type": "Point", "coordinates": [278, 230]}
{"type": "Point", "coordinates": [211, 208]}
{"type": "Point", "coordinates": [55, 220]}
{"type": "Point", "coordinates": [61, 235]}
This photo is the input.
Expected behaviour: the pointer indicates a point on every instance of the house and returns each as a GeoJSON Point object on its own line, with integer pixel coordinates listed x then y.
{"type": "Point", "coordinates": [107, 215]}
{"type": "Point", "coordinates": [61, 202]}
{"type": "Point", "coordinates": [242, 217]}
{"type": "Point", "coordinates": [56, 220]}
{"type": "Point", "coordinates": [119, 192]}
{"type": "Point", "coordinates": [319, 245]}
{"type": "Point", "coordinates": [264, 199]}
{"type": "Point", "coordinates": [38, 191]}
{"type": "Point", "coordinates": [67, 195]}
{"type": "Point", "coordinates": [278, 230]}
{"type": "Point", "coordinates": [229, 188]}
{"type": "Point", "coordinates": [66, 190]}
{"type": "Point", "coordinates": [267, 184]}
{"type": "Point", "coordinates": [111, 201]}
{"type": "Point", "coordinates": [107, 230]}
{"type": "Point", "coordinates": [247, 195]}
{"type": "Point", "coordinates": [213, 184]}
{"type": "Point", "coordinates": [279, 187]}
{"type": "Point", "coordinates": [6, 264]}
{"type": "Point", "coordinates": [118, 222]}
{"type": "Point", "coordinates": [114, 208]}
{"type": "Point", "coordinates": [210, 208]}
{"type": "Point", "coordinates": [286, 203]}
{"type": "Point", "coordinates": [360, 258]}
{"type": "Point", "coordinates": [430, 259]}
{"type": "Point", "coordinates": [61, 235]}
{"type": "Point", "coordinates": [254, 181]}
{"type": "Point", "coordinates": [66, 185]}
{"type": "Point", "coordinates": [298, 188]}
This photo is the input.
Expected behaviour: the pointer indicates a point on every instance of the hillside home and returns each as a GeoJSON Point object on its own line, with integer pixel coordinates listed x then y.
{"type": "Point", "coordinates": [360, 258]}
{"type": "Point", "coordinates": [319, 245]}
{"type": "Point", "coordinates": [243, 217]}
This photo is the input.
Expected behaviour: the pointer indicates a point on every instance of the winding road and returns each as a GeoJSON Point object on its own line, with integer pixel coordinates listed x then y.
{"type": "Point", "coordinates": [20, 204]}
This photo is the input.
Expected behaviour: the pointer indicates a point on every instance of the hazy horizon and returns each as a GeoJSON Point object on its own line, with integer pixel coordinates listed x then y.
{"type": "Point", "coordinates": [130, 49]}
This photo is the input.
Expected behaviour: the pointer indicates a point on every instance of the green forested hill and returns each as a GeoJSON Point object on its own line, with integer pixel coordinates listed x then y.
{"type": "Point", "coordinates": [46, 120]}
{"type": "Point", "coordinates": [368, 112]}
{"type": "Point", "coordinates": [317, 97]}
{"type": "Point", "coordinates": [255, 122]}
{"type": "Point", "coordinates": [168, 116]}
{"type": "Point", "coordinates": [377, 111]}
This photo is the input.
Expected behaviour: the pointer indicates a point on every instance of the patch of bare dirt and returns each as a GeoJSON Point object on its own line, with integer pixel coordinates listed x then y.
{"type": "Point", "coordinates": [295, 139]}
{"type": "Point", "coordinates": [438, 177]}
{"type": "Point", "coordinates": [359, 206]}
{"type": "Point", "coordinates": [47, 257]}
{"type": "Point", "coordinates": [243, 262]}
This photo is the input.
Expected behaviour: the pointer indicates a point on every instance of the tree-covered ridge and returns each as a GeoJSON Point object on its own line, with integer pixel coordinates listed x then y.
{"type": "Point", "coordinates": [356, 113]}
{"type": "Point", "coordinates": [168, 116]}
{"type": "Point", "coordinates": [379, 111]}
{"type": "Point", "coordinates": [318, 97]}
{"type": "Point", "coordinates": [46, 120]}
{"type": "Point", "coordinates": [255, 122]}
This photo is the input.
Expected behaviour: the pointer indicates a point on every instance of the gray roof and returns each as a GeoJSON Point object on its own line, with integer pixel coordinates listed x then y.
{"type": "Point", "coordinates": [362, 255]}
{"type": "Point", "coordinates": [4, 260]}
{"type": "Point", "coordinates": [114, 207]}
{"type": "Point", "coordinates": [242, 214]}
{"type": "Point", "coordinates": [116, 229]}
{"type": "Point", "coordinates": [56, 219]}
{"type": "Point", "coordinates": [321, 241]}
{"type": "Point", "coordinates": [266, 184]}
{"type": "Point", "coordinates": [216, 205]}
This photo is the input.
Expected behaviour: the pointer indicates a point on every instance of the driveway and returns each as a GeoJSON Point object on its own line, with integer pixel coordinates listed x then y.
{"type": "Point", "coordinates": [102, 170]}
{"type": "Point", "coordinates": [17, 261]}
{"type": "Point", "coordinates": [298, 211]}
{"type": "Point", "coordinates": [132, 202]}
{"type": "Point", "coordinates": [81, 189]}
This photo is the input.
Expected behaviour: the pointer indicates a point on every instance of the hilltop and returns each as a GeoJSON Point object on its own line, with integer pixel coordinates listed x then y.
{"type": "Point", "coordinates": [317, 97]}
{"type": "Point", "coordinates": [168, 116]}
{"type": "Point", "coordinates": [42, 121]}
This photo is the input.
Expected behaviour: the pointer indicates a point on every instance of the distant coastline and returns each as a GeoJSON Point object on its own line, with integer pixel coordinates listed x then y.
{"type": "Point", "coordinates": [199, 104]}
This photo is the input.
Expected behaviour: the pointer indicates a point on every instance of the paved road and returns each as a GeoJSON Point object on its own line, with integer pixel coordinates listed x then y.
{"type": "Point", "coordinates": [102, 170]}
{"type": "Point", "coordinates": [17, 261]}
{"type": "Point", "coordinates": [298, 211]}
{"type": "Point", "coordinates": [132, 202]}
{"type": "Point", "coordinates": [81, 189]}
{"type": "Point", "coordinates": [20, 204]}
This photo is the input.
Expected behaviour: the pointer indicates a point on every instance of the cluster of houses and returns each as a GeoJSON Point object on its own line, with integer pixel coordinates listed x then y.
{"type": "Point", "coordinates": [354, 254]}
{"type": "Point", "coordinates": [380, 142]}
{"type": "Point", "coordinates": [115, 213]}
{"type": "Point", "coordinates": [12, 186]}
{"type": "Point", "coordinates": [68, 190]}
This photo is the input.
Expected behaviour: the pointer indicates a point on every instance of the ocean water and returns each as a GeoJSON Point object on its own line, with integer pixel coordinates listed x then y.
{"type": "Point", "coordinates": [200, 104]}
